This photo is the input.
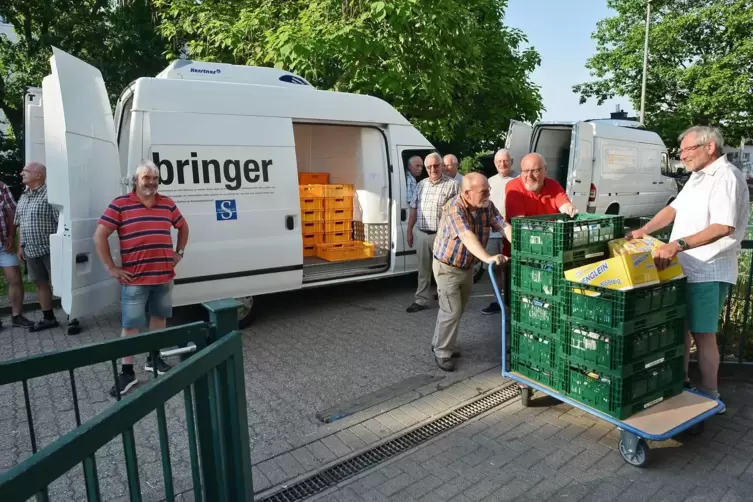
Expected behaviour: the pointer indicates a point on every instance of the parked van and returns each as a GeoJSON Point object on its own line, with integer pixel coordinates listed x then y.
{"type": "Point", "coordinates": [605, 166]}
{"type": "Point", "coordinates": [230, 142]}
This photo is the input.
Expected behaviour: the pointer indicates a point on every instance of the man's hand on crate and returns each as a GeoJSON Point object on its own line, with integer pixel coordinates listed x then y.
{"type": "Point", "coordinates": [663, 255]}
{"type": "Point", "coordinates": [569, 209]}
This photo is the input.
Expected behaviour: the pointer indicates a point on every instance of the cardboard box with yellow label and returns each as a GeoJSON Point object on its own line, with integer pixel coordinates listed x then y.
{"type": "Point", "coordinates": [620, 247]}
{"type": "Point", "coordinates": [625, 271]}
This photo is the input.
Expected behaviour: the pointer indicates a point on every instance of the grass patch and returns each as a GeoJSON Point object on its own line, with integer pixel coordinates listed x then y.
{"type": "Point", "coordinates": [28, 286]}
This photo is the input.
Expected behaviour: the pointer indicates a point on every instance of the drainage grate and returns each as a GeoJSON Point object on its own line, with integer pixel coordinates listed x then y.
{"type": "Point", "coordinates": [368, 459]}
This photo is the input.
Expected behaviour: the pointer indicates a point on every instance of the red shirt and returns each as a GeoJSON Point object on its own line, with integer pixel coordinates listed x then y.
{"type": "Point", "coordinates": [521, 202]}
{"type": "Point", "coordinates": [146, 246]}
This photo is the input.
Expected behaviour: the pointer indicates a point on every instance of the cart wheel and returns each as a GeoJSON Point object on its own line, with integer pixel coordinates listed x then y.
{"type": "Point", "coordinates": [697, 429]}
{"type": "Point", "coordinates": [525, 396]}
{"type": "Point", "coordinates": [638, 458]}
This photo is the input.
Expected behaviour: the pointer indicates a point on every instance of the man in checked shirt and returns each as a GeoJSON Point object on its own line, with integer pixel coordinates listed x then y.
{"type": "Point", "coordinates": [461, 240]}
{"type": "Point", "coordinates": [430, 196]}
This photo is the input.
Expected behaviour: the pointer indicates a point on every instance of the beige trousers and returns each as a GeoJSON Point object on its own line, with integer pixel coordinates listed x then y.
{"type": "Point", "coordinates": [425, 251]}
{"type": "Point", "coordinates": [454, 289]}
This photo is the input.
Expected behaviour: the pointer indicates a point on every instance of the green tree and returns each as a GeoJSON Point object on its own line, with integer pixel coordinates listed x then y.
{"type": "Point", "coordinates": [700, 69]}
{"type": "Point", "coordinates": [450, 66]}
{"type": "Point", "coordinates": [120, 38]}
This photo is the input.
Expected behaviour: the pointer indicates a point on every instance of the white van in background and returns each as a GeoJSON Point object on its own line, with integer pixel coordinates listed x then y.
{"type": "Point", "coordinates": [229, 142]}
{"type": "Point", "coordinates": [605, 166]}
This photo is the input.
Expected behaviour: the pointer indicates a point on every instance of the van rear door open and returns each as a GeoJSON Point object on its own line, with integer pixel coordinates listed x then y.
{"type": "Point", "coordinates": [581, 164]}
{"type": "Point", "coordinates": [518, 142]}
{"type": "Point", "coordinates": [83, 176]}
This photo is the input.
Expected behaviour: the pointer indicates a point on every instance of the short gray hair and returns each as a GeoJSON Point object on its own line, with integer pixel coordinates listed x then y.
{"type": "Point", "coordinates": [502, 151]}
{"type": "Point", "coordinates": [706, 134]}
{"type": "Point", "coordinates": [145, 166]}
{"type": "Point", "coordinates": [434, 155]}
{"type": "Point", "coordinates": [452, 158]}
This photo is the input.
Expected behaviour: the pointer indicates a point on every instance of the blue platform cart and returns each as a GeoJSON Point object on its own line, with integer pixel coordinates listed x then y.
{"type": "Point", "coordinates": [665, 420]}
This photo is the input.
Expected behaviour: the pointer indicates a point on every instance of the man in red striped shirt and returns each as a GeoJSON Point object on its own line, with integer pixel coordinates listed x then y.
{"type": "Point", "coordinates": [143, 220]}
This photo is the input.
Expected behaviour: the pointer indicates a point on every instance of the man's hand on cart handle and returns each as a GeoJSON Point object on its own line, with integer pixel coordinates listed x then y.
{"type": "Point", "coordinates": [497, 260]}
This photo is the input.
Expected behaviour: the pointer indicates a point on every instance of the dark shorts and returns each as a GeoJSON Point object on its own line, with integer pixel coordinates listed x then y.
{"type": "Point", "coordinates": [38, 269]}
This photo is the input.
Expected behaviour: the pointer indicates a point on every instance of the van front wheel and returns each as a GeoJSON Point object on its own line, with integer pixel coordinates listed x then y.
{"type": "Point", "coordinates": [247, 312]}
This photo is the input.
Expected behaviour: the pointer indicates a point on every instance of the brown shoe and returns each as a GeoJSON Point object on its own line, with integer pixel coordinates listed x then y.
{"type": "Point", "coordinates": [445, 363]}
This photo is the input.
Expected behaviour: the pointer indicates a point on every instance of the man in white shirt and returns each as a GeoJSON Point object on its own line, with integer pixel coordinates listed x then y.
{"type": "Point", "coordinates": [497, 183]}
{"type": "Point", "coordinates": [451, 166]}
{"type": "Point", "coordinates": [710, 216]}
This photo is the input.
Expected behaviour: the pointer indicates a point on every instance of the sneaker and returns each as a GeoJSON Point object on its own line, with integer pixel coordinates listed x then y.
{"type": "Point", "coordinates": [415, 307]}
{"type": "Point", "coordinates": [445, 363]}
{"type": "Point", "coordinates": [161, 365]}
{"type": "Point", "coordinates": [125, 382]}
{"type": "Point", "coordinates": [493, 308]}
{"type": "Point", "coordinates": [20, 321]}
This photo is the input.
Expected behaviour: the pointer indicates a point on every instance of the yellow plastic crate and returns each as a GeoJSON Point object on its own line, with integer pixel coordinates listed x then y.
{"type": "Point", "coordinates": [311, 190]}
{"type": "Point", "coordinates": [333, 237]}
{"type": "Point", "coordinates": [338, 203]}
{"type": "Point", "coordinates": [313, 178]}
{"type": "Point", "coordinates": [338, 191]}
{"type": "Point", "coordinates": [312, 239]}
{"type": "Point", "coordinates": [344, 251]}
{"type": "Point", "coordinates": [312, 227]}
{"type": "Point", "coordinates": [338, 226]}
{"type": "Point", "coordinates": [338, 214]}
{"type": "Point", "coordinates": [309, 250]}
{"type": "Point", "coordinates": [312, 204]}
{"type": "Point", "coordinates": [307, 216]}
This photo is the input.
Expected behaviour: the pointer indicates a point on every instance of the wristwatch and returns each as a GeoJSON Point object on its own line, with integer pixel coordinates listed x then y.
{"type": "Point", "coordinates": [684, 246]}
{"type": "Point", "coordinates": [179, 251]}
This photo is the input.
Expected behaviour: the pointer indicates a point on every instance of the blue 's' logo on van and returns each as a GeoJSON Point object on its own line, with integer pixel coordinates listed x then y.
{"type": "Point", "coordinates": [226, 210]}
{"type": "Point", "coordinates": [292, 79]}
{"type": "Point", "coordinates": [204, 70]}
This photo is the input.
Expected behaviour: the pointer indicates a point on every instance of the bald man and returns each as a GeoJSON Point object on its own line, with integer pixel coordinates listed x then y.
{"type": "Point", "coordinates": [36, 220]}
{"type": "Point", "coordinates": [461, 240]}
{"type": "Point", "coordinates": [451, 166]}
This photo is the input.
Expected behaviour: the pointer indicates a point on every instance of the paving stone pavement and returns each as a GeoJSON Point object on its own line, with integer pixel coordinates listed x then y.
{"type": "Point", "coordinates": [306, 352]}
{"type": "Point", "coordinates": [553, 451]}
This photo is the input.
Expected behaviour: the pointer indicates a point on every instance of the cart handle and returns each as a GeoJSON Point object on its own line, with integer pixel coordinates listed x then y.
{"type": "Point", "coordinates": [503, 315]}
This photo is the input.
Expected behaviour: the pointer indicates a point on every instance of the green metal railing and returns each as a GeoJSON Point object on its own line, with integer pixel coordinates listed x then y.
{"type": "Point", "coordinates": [210, 376]}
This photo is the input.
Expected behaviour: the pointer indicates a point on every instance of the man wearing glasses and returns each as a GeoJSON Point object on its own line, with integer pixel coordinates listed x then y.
{"type": "Point", "coordinates": [710, 217]}
{"type": "Point", "coordinates": [429, 198]}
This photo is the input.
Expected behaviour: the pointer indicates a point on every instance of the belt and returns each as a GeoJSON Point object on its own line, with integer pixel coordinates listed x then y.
{"type": "Point", "coordinates": [430, 232]}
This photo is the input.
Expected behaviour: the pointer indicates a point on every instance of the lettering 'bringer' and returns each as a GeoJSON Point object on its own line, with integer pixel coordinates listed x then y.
{"type": "Point", "coordinates": [230, 172]}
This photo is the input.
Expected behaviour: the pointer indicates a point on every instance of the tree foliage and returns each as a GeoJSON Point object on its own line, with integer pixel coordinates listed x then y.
{"type": "Point", "coordinates": [450, 66]}
{"type": "Point", "coordinates": [700, 70]}
{"type": "Point", "coordinates": [119, 38]}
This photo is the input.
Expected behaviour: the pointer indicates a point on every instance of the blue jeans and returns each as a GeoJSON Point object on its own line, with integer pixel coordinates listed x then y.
{"type": "Point", "coordinates": [134, 301]}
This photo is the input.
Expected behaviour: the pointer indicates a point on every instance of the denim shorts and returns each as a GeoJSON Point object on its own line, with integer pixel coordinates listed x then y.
{"type": "Point", "coordinates": [135, 301]}
{"type": "Point", "coordinates": [8, 259]}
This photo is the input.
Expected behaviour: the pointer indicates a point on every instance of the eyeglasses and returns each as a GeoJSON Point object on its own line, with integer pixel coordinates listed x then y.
{"type": "Point", "coordinates": [531, 171]}
{"type": "Point", "coordinates": [691, 148]}
{"type": "Point", "coordinates": [433, 166]}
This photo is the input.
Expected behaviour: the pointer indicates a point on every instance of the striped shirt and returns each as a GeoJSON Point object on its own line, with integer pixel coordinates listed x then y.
{"type": "Point", "coordinates": [429, 198]}
{"type": "Point", "coordinates": [459, 218]}
{"type": "Point", "coordinates": [8, 208]}
{"type": "Point", "coordinates": [146, 246]}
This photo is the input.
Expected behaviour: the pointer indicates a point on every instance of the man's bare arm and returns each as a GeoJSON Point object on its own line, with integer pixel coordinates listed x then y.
{"type": "Point", "coordinates": [183, 236]}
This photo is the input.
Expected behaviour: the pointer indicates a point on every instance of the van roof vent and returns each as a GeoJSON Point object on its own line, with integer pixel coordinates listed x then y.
{"type": "Point", "coordinates": [187, 69]}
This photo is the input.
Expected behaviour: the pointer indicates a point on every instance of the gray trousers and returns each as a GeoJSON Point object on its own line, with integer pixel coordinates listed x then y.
{"type": "Point", "coordinates": [425, 252]}
{"type": "Point", "coordinates": [454, 289]}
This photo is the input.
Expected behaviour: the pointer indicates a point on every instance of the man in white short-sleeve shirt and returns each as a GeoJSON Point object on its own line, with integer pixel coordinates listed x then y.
{"type": "Point", "coordinates": [497, 183]}
{"type": "Point", "coordinates": [710, 217]}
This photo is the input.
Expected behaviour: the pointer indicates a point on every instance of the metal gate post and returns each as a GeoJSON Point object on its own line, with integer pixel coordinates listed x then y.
{"type": "Point", "coordinates": [223, 315]}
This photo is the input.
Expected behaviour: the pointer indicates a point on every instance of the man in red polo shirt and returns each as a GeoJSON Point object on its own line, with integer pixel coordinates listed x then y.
{"type": "Point", "coordinates": [143, 220]}
{"type": "Point", "coordinates": [530, 194]}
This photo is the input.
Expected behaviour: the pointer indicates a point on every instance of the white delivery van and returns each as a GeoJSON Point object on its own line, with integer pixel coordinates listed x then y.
{"type": "Point", "coordinates": [229, 142]}
{"type": "Point", "coordinates": [605, 166]}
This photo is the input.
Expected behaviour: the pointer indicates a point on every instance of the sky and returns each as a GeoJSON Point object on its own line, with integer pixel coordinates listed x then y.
{"type": "Point", "coordinates": [562, 36]}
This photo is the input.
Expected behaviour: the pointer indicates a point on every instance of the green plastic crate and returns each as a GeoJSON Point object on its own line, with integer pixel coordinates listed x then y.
{"type": "Point", "coordinates": [623, 312]}
{"type": "Point", "coordinates": [543, 278]}
{"type": "Point", "coordinates": [533, 312]}
{"type": "Point", "coordinates": [622, 355]}
{"type": "Point", "coordinates": [532, 346]}
{"type": "Point", "coordinates": [557, 236]}
{"type": "Point", "coordinates": [546, 376]}
{"type": "Point", "coordinates": [661, 234]}
{"type": "Point", "coordinates": [623, 397]}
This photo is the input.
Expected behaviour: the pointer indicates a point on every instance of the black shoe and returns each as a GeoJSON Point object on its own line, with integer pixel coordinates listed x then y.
{"type": "Point", "coordinates": [415, 307]}
{"type": "Point", "coordinates": [43, 324]}
{"type": "Point", "coordinates": [125, 382]}
{"type": "Point", "coordinates": [493, 308]}
{"type": "Point", "coordinates": [445, 363]}
{"type": "Point", "coordinates": [161, 365]}
{"type": "Point", "coordinates": [455, 353]}
{"type": "Point", "coordinates": [20, 321]}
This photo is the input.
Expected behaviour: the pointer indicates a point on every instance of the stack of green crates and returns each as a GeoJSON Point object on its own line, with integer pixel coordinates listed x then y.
{"type": "Point", "coordinates": [543, 248]}
{"type": "Point", "coordinates": [663, 234]}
